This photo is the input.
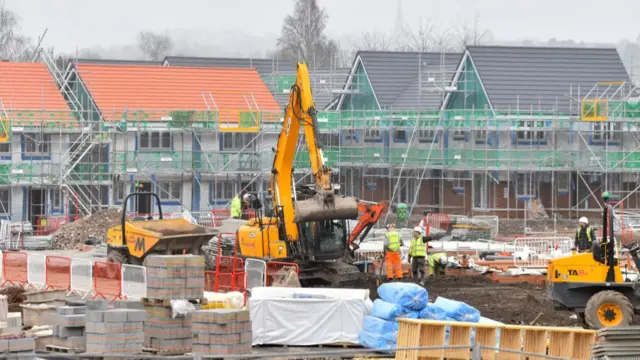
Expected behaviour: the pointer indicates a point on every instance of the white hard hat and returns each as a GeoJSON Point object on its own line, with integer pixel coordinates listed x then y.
{"type": "Point", "coordinates": [246, 197]}
{"type": "Point", "coordinates": [583, 220]}
{"type": "Point", "coordinates": [443, 260]}
{"type": "Point", "coordinates": [417, 229]}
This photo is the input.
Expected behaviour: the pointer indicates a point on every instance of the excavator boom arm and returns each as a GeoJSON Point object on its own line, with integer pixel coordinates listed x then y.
{"type": "Point", "coordinates": [301, 111]}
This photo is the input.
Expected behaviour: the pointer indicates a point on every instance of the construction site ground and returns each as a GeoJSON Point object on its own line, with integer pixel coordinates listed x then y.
{"type": "Point", "coordinates": [519, 303]}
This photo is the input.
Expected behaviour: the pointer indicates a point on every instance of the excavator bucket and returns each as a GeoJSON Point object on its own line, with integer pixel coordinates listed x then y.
{"type": "Point", "coordinates": [342, 208]}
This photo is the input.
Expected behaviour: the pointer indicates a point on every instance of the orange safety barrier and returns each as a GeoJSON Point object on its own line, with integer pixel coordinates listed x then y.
{"type": "Point", "coordinates": [229, 274]}
{"type": "Point", "coordinates": [58, 273]}
{"type": "Point", "coordinates": [15, 268]}
{"type": "Point", "coordinates": [107, 280]}
{"type": "Point", "coordinates": [438, 221]}
{"type": "Point", "coordinates": [274, 266]}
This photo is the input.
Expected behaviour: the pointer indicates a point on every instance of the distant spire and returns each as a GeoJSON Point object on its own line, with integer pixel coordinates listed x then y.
{"type": "Point", "coordinates": [397, 30]}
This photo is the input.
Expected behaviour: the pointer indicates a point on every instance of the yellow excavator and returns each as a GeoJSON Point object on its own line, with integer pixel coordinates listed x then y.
{"type": "Point", "coordinates": [592, 284]}
{"type": "Point", "coordinates": [307, 223]}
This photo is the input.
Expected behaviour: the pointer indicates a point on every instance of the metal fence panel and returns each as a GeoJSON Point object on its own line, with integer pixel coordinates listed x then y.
{"type": "Point", "coordinates": [37, 273]}
{"type": "Point", "coordinates": [535, 252]}
{"type": "Point", "coordinates": [256, 273]}
{"type": "Point", "coordinates": [492, 221]}
{"type": "Point", "coordinates": [134, 281]}
{"type": "Point", "coordinates": [81, 276]}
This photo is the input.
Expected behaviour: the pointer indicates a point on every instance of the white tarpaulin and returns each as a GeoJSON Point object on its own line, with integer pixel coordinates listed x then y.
{"type": "Point", "coordinates": [300, 318]}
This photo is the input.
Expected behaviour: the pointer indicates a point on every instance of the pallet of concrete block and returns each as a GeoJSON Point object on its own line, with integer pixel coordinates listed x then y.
{"type": "Point", "coordinates": [17, 347]}
{"type": "Point", "coordinates": [165, 334]}
{"type": "Point", "coordinates": [179, 277]}
{"type": "Point", "coordinates": [68, 330]}
{"type": "Point", "coordinates": [221, 332]}
{"type": "Point", "coordinates": [113, 331]}
{"type": "Point", "coordinates": [12, 324]}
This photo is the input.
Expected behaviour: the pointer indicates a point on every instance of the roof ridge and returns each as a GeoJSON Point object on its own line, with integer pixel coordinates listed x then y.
{"type": "Point", "coordinates": [539, 47]}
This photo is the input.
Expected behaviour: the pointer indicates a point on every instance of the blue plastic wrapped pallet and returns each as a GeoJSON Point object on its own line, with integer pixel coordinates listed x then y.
{"type": "Point", "coordinates": [379, 326]}
{"type": "Point", "coordinates": [434, 312]}
{"type": "Point", "coordinates": [408, 295]}
{"type": "Point", "coordinates": [458, 310]}
{"type": "Point", "coordinates": [387, 311]}
{"type": "Point", "coordinates": [377, 341]}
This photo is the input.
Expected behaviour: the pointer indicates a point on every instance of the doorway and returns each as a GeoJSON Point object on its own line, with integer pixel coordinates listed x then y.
{"type": "Point", "coordinates": [36, 204]}
{"type": "Point", "coordinates": [144, 204]}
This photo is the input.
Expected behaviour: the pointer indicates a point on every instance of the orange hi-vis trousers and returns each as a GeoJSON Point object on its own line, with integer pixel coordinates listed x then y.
{"type": "Point", "coordinates": [394, 264]}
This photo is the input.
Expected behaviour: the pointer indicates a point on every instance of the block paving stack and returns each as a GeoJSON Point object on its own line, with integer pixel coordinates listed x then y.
{"type": "Point", "coordinates": [69, 328]}
{"type": "Point", "coordinates": [17, 347]}
{"type": "Point", "coordinates": [115, 331]}
{"type": "Point", "coordinates": [221, 332]}
{"type": "Point", "coordinates": [171, 277]}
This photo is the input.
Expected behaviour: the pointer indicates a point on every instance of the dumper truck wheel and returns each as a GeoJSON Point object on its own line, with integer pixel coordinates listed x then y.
{"type": "Point", "coordinates": [608, 308]}
{"type": "Point", "coordinates": [115, 256]}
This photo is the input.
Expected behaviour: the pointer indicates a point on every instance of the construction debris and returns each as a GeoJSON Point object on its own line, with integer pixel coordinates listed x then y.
{"type": "Point", "coordinates": [74, 235]}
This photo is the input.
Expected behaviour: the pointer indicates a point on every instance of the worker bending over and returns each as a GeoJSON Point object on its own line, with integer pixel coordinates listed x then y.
{"type": "Point", "coordinates": [392, 244]}
{"type": "Point", "coordinates": [236, 205]}
{"type": "Point", "coordinates": [437, 264]}
{"type": "Point", "coordinates": [417, 254]}
{"type": "Point", "coordinates": [585, 235]}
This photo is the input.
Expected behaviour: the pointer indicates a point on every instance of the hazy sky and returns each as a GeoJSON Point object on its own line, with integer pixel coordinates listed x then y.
{"type": "Point", "coordinates": [90, 23]}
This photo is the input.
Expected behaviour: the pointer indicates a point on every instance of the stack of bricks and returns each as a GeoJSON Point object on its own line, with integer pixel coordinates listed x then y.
{"type": "Point", "coordinates": [69, 328]}
{"type": "Point", "coordinates": [220, 332]}
{"type": "Point", "coordinates": [115, 331]}
{"type": "Point", "coordinates": [171, 277]}
{"type": "Point", "coordinates": [164, 334]}
{"type": "Point", "coordinates": [17, 347]}
{"type": "Point", "coordinates": [175, 277]}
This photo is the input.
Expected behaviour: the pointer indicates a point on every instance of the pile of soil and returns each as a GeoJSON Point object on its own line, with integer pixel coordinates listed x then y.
{"type": "Point", "coordinates": [519, 303]}
{"type": "Point", "coordinates": [73, 235]}
{"type": "Point", "coordinates": [15, 294]}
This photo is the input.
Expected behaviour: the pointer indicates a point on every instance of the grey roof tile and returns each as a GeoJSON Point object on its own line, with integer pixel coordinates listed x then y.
{"type": "Point", "coordinates": [263, 66]}
{"type": "Point", "coordinates": [541, 78]}
{"type": "Point", "coordinates": [395, 77]}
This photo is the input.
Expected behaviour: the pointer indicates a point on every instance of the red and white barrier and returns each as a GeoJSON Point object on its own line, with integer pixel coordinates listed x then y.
{"type": "Point", "coordinates": [57, 273]}
{"type": "Point", "coordinates": [81, 277]}
{"type": "Point", "coordinates": [114, 281]}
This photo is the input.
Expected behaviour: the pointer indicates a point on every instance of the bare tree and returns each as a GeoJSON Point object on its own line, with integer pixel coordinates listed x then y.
{"type": "Point", "coordinates": [375, 41]}
{"type": "Point", "coordinates": [471, 33]}
{"type": "Point", "coordinates": [303, 38]}
{"type": "Point", "coordinates": [154, 46]}
{"type": "Point", "coordinates": [13, 45]}
{"type": "Point", "coordinates": [420, 39]}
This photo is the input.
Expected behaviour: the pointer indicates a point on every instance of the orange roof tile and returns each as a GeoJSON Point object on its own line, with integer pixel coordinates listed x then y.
{"type": "Point", "coordinates": [30, 88]}
{"type": "Point", "coordinates": [159, 90]}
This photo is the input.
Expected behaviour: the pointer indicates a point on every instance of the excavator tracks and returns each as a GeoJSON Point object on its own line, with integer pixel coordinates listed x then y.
{"type": "Point", "coordinates": [336, 274]}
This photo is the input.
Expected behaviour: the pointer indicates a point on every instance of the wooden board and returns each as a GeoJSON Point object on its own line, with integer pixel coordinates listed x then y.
{"type": "Point", "coordinates": [165, 352]}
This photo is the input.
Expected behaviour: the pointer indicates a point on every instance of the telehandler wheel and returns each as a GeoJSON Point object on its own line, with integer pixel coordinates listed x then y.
{"type": "Point", "coordinates": [608, 308]}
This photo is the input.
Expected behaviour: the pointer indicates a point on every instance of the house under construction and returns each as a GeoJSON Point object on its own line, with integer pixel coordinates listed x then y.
{"type": "Point", "coordinates": [491, 131]}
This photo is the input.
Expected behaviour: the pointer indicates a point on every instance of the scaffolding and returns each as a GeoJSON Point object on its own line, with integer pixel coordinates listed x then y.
{"type": "Point", "coordinates": [519, 163]}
